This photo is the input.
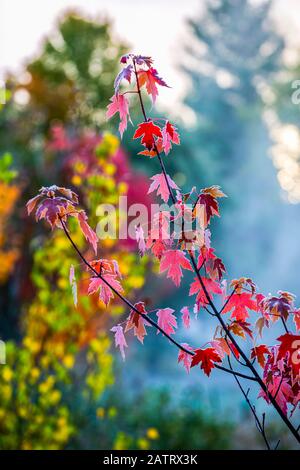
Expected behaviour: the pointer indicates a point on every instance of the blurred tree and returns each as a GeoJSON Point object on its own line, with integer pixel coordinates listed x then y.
{"type": "Point", "coordinates": [234, 52]}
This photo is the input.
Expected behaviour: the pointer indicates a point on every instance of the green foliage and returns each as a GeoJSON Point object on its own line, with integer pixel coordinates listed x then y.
{"type": "Point", "coordinates": [7, 175]}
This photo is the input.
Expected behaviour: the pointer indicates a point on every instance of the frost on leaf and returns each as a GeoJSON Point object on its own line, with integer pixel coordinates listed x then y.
{"type": "Point", "coordinates": [166, 320]}
{"type": "Point", "coordinates": [185, 316]}
{"type": "Point", "coordinates": [174, 261]}
{"type": "Point", "coordinates": [120, 340]}
{"type": "Point", "coordinates": [159, 184]}
{"type": "Point", "coordinates": [87, 231]}
{"type": "Point", "coordinates": [184, 357]}
{"type": "Point", "coordinates": [169, 136]}
{"type": "Point", "coordinates": [119, 104]}
{"type": "Point", "coordinates": [137, 322]}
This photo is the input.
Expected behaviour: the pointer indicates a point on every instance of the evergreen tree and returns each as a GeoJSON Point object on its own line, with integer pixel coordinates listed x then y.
{"type": "Point", "coordinates": [233, 53]}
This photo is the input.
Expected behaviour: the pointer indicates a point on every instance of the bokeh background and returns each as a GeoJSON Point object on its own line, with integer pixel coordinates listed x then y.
{"type": "Point", "coordinates": [231, 65]}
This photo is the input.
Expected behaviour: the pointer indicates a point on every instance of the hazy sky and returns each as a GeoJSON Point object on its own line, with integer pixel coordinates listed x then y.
{"type": "Point", "coordinates": [152, 27]}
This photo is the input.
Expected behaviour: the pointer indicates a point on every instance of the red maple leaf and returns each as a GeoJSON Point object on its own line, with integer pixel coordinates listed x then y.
{"type": "Point", "coordinates": [170, 134]}
{"type": "Point", "coordinates": [160, 185]}
{"type": "Point", "coordinates": [166, 320]}
{"type": "Point", "coordinates": [207, 200]}
{"type": "Point", "coordinates": [290, 349]}
{"type": "Point", "coordinates": [259, 353]}
{"type": "Point", "coordinates": [211, 286]}
{"type": "Point", "coordinates": [240, 304]}
{"type": "Point", "coordinates": [150, 78]}
{"type": "Point", "coordinates": [173, 261]}
{"type": "Point", "coordinates": [137, 322]}
{"type": "Point", "coordinates": [147, 131]}
{"type": "Point", "coordinates": [206, 358]}
{"type": "Point", "coordinates": [119, 104]}
{"type": "Point", "coordinates": [241, 328]}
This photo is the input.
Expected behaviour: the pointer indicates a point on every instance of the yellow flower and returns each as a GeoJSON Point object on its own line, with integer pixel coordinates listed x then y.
{"type": "Point", "coordinates": [152, 433]}
{"type": "Point", "coordinates": [54, 397]}
{"type": "Point", "coordinates": [35, 373]}
{"type": "Point", "coordinates": [68, 361]}
{"type": "Point", "coordinates": [76, 180]}
{"type": "Point", "coordinates": [7, 374]}
{"type": "Point", "coordinates": [143, 443]}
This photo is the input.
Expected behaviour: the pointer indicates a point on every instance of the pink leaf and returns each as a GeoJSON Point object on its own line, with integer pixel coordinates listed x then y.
{"type": "Point", "coordinates": [169, 135]}
{"type": "Point", "coordinates": [105, 292]}
{"type": "Point", "coordinates": [139, 234]}
{"type": "Point", "coordinates": [119, 104]}
{"type": "Point", "coordinates": [173, 261]}
{"type": "Point", "coordinates": [185, 316]}
{"type": "Point", "coordinates": [137, 322]}
{"type": "Point", "coordinates": [166, 320]}
{"type": "Point", "coordinates": [184, 357]}
{"type": "Point", "coordinates": [89, 234]}
{"type": "Point", "coordinates": [160, 185]}
{"type": "Point", "coordinates": [120, 340]}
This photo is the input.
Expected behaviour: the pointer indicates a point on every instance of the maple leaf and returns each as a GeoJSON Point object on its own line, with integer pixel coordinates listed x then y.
{"type": "Point", "coordinates": [73, 284]}
{"type": "Point", "coordinates": [185, 316]}
{"type": "Point", "coordinates": [219, 267]}
{"type": "Point", "coordinates": [159, 184]}
{"type": "Point", "coordinates": [166, 320]}
{"type": "Point", "coordinates": [105, 292]}
{"type": "Point", "coordinates": [211, 286]}
{"type": "Point", "coordinates": [259, 353]}
{"type": "Point", "coordinates": [150, 78]}
{"type": "Point", "coordinates": [184, 357]}
{"type": "Point", "coordinates": [173, 261]}
{"type": "Point", "coordinates": [206, 358]}
{"type": "Point", "coordinates": [207, 200]}
{"type": "Point", "coordinates": [240, 304]}
{"type": "Point", "coordinates": [157, 247]}
{"type": "Point", "coordinates": [241, 328]}
{"type": "Point", "coordinates": [53, 210]}
{"type": "Point", "coordinates": [169, 135]}
{"type": "Point", "coordinates": [147, 131]}
{"type": "Point", "coordinates": [87, 231]}
{"type": "Point", "coordinates": [153, 153]}
{"type": "Point", "coordinates": [290, 348]}
{"type": "Point", "coordinates": [120, 340]}
{"type": "Point", "coordinates": [137, 322]}
{"type": "Point", "coordinates": [125, 74]}
{"type": "Point", "coordinates": [119, 104]}
{"type": "Point", "coordinates": [139, 235]}
{"type": "Point", "coordinates": [280, 306]}
{"type": "Point", "coordinates": [138, 59]}
{"type": "Point", "coordinates": [281, 389]}
{"type": "Point", "coordinates": [221, 346]}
